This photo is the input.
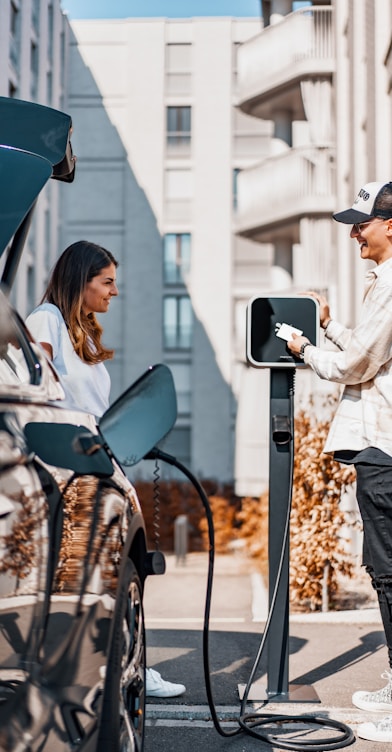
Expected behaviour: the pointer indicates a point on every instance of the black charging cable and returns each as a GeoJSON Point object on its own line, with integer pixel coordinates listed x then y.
{"type": "Point", "coordinates": [250, 722]}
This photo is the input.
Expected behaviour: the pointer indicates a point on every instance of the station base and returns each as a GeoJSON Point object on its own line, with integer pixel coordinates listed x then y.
{"type": "Point", "coordinates": [296, 693]}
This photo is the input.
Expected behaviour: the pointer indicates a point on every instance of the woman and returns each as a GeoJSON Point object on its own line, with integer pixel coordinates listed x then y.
{"type": "Point", "coordinates": [81, 285]}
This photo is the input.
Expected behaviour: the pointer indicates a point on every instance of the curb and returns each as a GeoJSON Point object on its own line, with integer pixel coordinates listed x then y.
{"type": "Point", "coordinates": [230, 713]}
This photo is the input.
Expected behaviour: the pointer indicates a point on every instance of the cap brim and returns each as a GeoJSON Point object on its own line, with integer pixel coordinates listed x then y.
{"type": "Point", "coordinates": [350, 216]}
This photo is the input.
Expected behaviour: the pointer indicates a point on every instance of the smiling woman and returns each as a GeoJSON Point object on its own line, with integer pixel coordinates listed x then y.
{"type": "Point", "coordinates": [98, 292]}
{"type": "Point", "coordinates": [82, 284]}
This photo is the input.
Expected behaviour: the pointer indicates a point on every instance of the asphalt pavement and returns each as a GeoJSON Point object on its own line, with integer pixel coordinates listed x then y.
{"type": "Point", "coordinates": [330, 656]}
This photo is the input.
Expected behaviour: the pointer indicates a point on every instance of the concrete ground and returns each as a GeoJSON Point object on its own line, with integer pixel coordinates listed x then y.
{"type": "Point", "coordinates": [330, 656]}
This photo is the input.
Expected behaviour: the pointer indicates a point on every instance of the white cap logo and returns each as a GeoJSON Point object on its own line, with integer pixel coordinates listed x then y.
{"type": "Point", "coordinates": [362, 194]}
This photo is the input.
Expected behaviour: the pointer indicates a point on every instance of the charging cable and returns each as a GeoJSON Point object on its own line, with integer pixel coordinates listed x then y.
{"type": "Point", "coordinates": [250, 722]}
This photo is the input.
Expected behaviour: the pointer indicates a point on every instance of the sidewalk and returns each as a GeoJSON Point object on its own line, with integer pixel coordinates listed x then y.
{"type": "Point", "coordinates": [331, 654]}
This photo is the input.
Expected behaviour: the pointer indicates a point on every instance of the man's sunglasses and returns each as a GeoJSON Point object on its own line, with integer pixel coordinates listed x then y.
{"type": "Point", "coordinates": [358, 226]}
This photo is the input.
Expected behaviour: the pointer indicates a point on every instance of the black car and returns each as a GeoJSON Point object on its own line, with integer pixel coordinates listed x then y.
{"type": "Point", "coordinates": [73, 552]}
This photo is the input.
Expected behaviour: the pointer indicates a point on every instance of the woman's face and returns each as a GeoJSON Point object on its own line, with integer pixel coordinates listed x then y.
{"type": "Point", "coordinates": [99, 291]}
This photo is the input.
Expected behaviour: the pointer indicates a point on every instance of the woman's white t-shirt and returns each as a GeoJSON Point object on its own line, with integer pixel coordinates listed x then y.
{"type": "Point", "coordinates": [86, 386]}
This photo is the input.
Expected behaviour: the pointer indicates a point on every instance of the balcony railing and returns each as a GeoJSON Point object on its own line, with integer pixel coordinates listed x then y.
{"type": "Point", "coordinates": [14, 52]}
{"type": "Point", "coordinates": [283, 188]}
{"type": "Point", "coordinates": [299, 45]}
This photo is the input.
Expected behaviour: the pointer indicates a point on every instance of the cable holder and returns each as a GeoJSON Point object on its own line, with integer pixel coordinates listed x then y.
{"type": "Point", "coordinates": [156, 523]}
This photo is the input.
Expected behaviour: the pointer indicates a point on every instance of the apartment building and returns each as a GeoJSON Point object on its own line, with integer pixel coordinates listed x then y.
{"type": "Point", "coordinates": [33, 51]}
{"type": "Point", "coordinates": [160, 143]}
{"type": "Point", "coordinates": [321, 75]}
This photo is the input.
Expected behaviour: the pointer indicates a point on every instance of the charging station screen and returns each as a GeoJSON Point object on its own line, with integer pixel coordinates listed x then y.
{"type": "Point", "coordinates": [270, 323]}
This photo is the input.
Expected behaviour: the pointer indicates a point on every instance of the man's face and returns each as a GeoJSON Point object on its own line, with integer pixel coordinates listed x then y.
{"type": "Point", "coordinates": [374, 238]}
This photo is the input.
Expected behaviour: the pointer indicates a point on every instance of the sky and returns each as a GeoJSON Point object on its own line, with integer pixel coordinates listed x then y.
{"type": "Point", "coordinates": [160, 8]}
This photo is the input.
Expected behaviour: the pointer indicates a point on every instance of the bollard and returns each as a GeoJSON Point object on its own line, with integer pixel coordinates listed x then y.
{"type": "Point", "coordinates": [181, 538]}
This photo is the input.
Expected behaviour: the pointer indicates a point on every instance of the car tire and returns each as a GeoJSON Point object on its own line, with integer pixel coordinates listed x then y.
{"type": "Point", "coordinates": [123, 703]}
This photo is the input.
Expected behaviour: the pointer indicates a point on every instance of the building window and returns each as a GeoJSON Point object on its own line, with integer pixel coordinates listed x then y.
{"type": "Point", "coordinates": [14, 35]}
{"type": "Point", "coordinates": [49, 86]}
{"type": "Point", "coordinates": [34, 58]}
{"type": "Point", "coordinates": [235, 48]}
{"type": "Point", "coordinates": [14, 20]}
{"type": "Point", "coordinates": [12, 90]}
{"type": "Point", "coordinates": [31, 281]}
{"type": "Point", "coordinates": [178, 68]}
{"type": "Point", "coordinates": [236, 172]}
{"type": "Point", "coordinates": [176, 258]}
{"type": "Point", "coordinates": [177, 322]}
{"type": "Point", "coordinates": [178, 444]}
{"type": "Point", "coordinates": [178, 185]}
{"type": "Point", "coordinates": [35, 15]}
{"type": "Point", "coordinates": [178, 129]}
{"type": "Point", "coordinates": [182, 380]}
{"type": "Point", "coordinates": [34, 69]}
{"type": "Point", "coordinates": [178, 195]}
{"type": "Point", "coordinates": [178, 57]}
{"type": "Point", "coordinates": [50, 32]}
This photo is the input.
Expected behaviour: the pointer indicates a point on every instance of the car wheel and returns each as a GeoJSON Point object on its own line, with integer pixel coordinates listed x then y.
{"type": "Point", "coordinates": [123, 706]}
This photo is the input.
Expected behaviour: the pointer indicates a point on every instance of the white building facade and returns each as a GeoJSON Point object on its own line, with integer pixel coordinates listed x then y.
{"type": "Point", "coordinates": [320, 76]}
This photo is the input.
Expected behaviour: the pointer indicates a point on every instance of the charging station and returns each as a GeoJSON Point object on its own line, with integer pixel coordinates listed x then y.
{"type": "Point", "coordinates": [270, 324]}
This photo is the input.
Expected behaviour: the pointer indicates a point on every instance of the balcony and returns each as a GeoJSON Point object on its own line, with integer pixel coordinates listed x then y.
{"type": "Point", "coordinates": [275, 194]}
{"type": "Point", "coordinates": [272, 64]}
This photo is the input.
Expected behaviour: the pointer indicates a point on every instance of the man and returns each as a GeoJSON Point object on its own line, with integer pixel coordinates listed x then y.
{"type": "Point", "coordinates": [361, 431]}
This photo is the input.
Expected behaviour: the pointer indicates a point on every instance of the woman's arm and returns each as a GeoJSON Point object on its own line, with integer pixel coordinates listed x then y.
{"type": "Point", "coordinates": [44, 324]}
{"type": "Point", "coordinates": [48, 349]}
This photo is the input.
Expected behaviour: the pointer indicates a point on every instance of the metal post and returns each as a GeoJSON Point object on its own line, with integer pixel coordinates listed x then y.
{"type": "Point", "coordinates": [280, 477]}
{"type": "Point", "coordinates": [280, 463]}
{"type": "Point", "coordinates": [181, 538]}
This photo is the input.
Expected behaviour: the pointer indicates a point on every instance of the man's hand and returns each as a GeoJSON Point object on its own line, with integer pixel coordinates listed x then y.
{"type": "Point", "coordinates": [324, 312]}
{"type": "Point", "coordinates": [295, 344]}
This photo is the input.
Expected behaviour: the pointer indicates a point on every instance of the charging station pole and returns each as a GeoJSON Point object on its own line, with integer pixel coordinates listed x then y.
{"type": "Point", "coordinates": [280, 464]}
{"type": "Point", "coordinates": [280, 472]}
{"type": "Point", "coordinates": [267, 318]}
{"type": "Point", "coordinates": [281, 450]}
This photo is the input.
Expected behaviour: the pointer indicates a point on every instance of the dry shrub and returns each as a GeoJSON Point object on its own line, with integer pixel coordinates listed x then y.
{"type": "Point", "coordinates": [318, 548]}
{"type": "Point", "coordinates": [318, 552]}
{"type": "Point", "coordinates": [224, 512]}
{"type": "Point", "coordinates": [178, 498]}
{"type": "Point", "coordinates": [253, 521]}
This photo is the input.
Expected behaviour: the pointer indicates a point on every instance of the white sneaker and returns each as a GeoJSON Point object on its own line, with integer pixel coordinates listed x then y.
{"type": "Point", "coordinates": [158, 687]}
{"type": "Point", "coordinates": [381, 731]}
{"type": "Point", "coordinates": [380, 700]}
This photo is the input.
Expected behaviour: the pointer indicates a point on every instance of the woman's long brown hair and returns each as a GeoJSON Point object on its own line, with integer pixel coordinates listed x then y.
{"type": "Point", "coordinates": [77, 265]}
